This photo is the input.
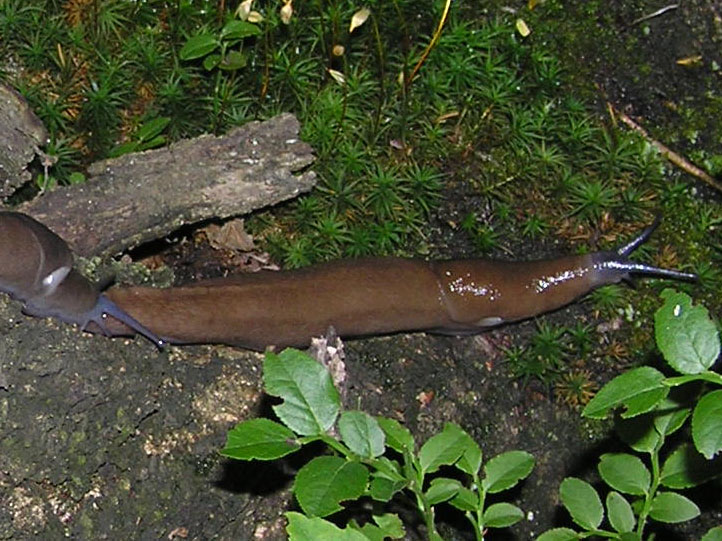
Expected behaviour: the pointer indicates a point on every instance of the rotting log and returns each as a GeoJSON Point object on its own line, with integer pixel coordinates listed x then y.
{"type": "Point", "coordinates": [21, 135]}
{"type": "Point", "coordinates": [145, 196]}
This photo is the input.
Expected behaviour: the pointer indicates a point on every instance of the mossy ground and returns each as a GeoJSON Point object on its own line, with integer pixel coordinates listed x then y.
{"type": "Point", "coordinates": [503, 146]}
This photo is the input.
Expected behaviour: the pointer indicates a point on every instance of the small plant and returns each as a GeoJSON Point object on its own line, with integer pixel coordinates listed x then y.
{"type": "Point", "coordinates": [372, 457]}
{"type": "Point", "coordinates": [589, 199]}
{"type": "Point", "coordinates": [148, 136]}
{"type": "Point", "coordinates": [655, 407]}
{"type": "Point", "coordinates": [223, 50]}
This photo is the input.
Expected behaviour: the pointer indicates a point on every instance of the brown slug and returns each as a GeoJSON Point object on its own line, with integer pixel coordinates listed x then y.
{"type": "Point", "coordinates": [36, 267]}
{"type": "Point", "coordinates": [373, 296]}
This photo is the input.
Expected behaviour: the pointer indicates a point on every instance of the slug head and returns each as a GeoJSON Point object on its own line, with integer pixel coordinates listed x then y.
{"type": "Point", "coordinates": [105, 307]}
{"type": "Point", "coordinates": [615, 266]}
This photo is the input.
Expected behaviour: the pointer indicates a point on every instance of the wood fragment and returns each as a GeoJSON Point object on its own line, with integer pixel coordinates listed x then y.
{"type": "Point", "coordinates": [660, 11]}
{"type": "Point", "coordinates": [145, 196]}
{"type": "Point", "coordinates": [667, 152]}
{"type": "Point", "coordinates": [21, 136]}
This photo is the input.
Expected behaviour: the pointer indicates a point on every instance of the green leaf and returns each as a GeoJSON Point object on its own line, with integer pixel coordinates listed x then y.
{"type": "Point", "coordinates": [124, 148]}
{"type": "Point", "coordinates": [383, 488]}
{"type": "Point", "coordinates": [639, 432]}
{"type": "Point", "coordinates": [398, 436]}
{"type": "Point", "coordinates": [582, 502]}
{"type": "Point", "coordinates": [76, 177]}
{"type": "Point", "coordinates": [211, 61]}
{"type": "Point", "coordinates": [232, 61]}
{"type": "Point", "coordinates": [620, 513]}
{"type": "Point", "coordinates": [198, 46]}
{"type": "Point", "coordinates": [559, 534]}
{"type": "Point", "coordinates": [387, 526]}
{"type": "Point", "coordinates": [625, 473]}
{"type": "Point", "coordinates": [506, 470]}
{"type": "Point", "coordinates": [707, 424]}
{"type": "Point", "coordinates": [686, 336]}
{"type": "Point", "coordinates": [310, 401]}
{"type": "Point", "coordinates": [714, 534]}
{"type": "Point", "coordinates": [470, 460]}
{"type": "Point", "coordinates": [370, 531]}
{"type": "Point", "coordinates": [387, 467]}
{"type": "Point", "coordinates": [390, 525]}
{"type": "Point", "coordinates": [466, 500]}
{"type": "Point", "coordinates": [260, 439]}
{"type": "Point", "coordinates": [685, 468]}
{"type": "Point", "coordinates": [326, 481]}
{"type": "Point", "coordinates": [639, 390]}
{"type": "Point", "coordinates": [361, 433]}
{"type": "Point", "coordinates": [671, 507]}
{"type": "Point", "coordinates": [157, 141]}
{"type": "Point", "coordinates": [442, 449]}
{"type": "Point", "coordinates": [668, 423]}
{"type": "Point", "coordinates": [239, 30]}
{"type": "Point", "coordinates": [502, 515]}
{"type": "Point", "coordinates": [152, 128]}
{"type": "Point", "coordinates": [302, 528]}
{"type": "Point", "coordinates": [442, 489]}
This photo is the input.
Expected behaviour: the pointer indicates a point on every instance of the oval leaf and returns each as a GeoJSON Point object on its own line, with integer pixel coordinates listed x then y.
{"type": "Point", "coordinates": [706, 423]}
{"type": "Point", "coordinates": [327, 480]}
{"type": "Point", "coordinates": [470, 460]}
{"type": "Point", "coordinates": [442, 449]}
{"type": "Point", "coordinates": [639, 390]}
{"type": "Point", "coordinates": [685, 468]}
{"type": "Point", "coordinates": [715, 534]}
{"type": "Point", "coordinates": [506, 470]}
{"type": "Point", "coordinates": [239, 30]}
{"type": "Point", "coordinates": [310, 401]}
{"type": "Point", "coordinates": [442, 489]}
{"type": "Point", "coordinates": [211, 61]}
{"type": "Point", "coordinates": [232, 61]}
{"type": "Point", "coordinates": [302, 528]}
{"type": "Point", "coordinates": [398, 436]}
{"type": "Point", "coordinates": [260, 439]}
{"type": "Point", "coordinates": [685, 334]}
{"type": "Point", "coordinates": [361, 433]}
{"type": "Point", "coordinates": [671, 507]}
{"type": "Point", "coordinates": [502, 515]}
{"type": "Point", "coordinates": [559, 534]}
{"type": "Point", "coordinates": [582, 502]}
{"type": "Point", "coordinates": [466, 500]}
{"type": "Point", "coordinates": [198, 46]}
{"type": "Point", "coordinates": [625, 473]}
{"type": "Point", "coordinates": [620, 513]}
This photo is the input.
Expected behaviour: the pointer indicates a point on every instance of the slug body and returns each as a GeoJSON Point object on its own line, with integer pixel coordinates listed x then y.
{"type": "Point", "coordinates": [373, 296]}
{"type": "Point", "coordinates": [36, 267]}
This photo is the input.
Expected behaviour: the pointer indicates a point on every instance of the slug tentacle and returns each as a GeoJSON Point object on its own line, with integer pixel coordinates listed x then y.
{"type": "Point", "coordinates": [616, 266]}
{"type": "Point", "coordinates": [105, 307]}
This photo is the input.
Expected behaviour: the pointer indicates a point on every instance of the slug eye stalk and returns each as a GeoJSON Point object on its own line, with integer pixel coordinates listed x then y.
{"type": "Point", "coordinates": [618, 262]}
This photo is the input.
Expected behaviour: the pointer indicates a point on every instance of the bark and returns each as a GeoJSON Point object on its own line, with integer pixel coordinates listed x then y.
{"type": "Point", "coordinates": [21, 132]}
{"type": "Point", "coordinates": [145, 196]}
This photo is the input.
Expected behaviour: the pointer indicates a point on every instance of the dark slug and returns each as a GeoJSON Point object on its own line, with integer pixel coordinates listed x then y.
{"type": "Point", "coordinates": [373, 296]}
{"type": "Point", "coordinates": [36, 267]}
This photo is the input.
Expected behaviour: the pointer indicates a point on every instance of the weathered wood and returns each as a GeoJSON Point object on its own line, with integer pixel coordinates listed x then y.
{"type": "Point", "coordinates": [21, 132]}
{"type": "Point", "coordinates": [145, 196]}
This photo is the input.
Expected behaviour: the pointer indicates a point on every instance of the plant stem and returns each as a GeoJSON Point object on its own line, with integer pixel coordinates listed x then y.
{"type": "Point", "coordinates": [644, 513]}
